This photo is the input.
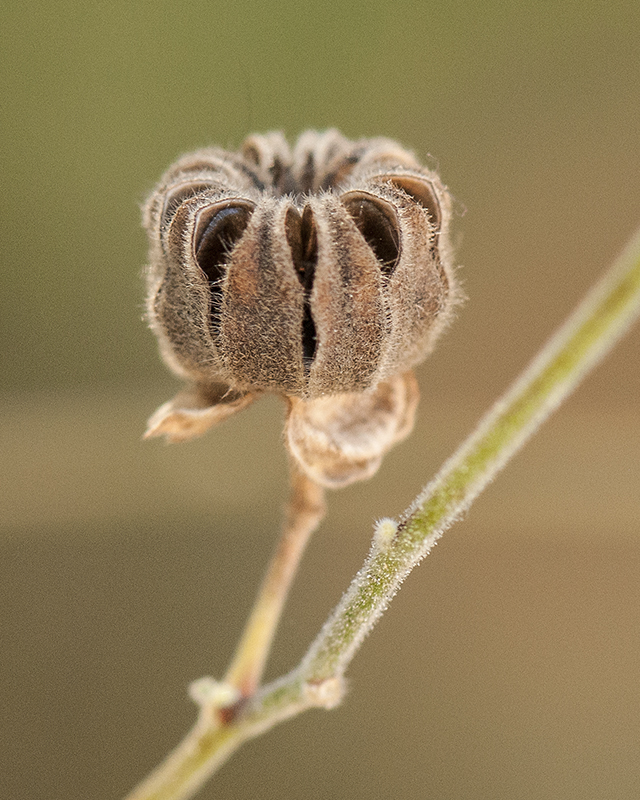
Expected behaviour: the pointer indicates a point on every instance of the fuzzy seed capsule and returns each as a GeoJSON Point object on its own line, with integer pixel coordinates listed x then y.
{"type": "Point", "coordinates": [321, 274]}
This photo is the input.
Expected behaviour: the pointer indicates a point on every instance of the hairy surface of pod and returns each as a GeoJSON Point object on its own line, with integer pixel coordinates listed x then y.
{"type": "Point", "coordinates": [317, 273]}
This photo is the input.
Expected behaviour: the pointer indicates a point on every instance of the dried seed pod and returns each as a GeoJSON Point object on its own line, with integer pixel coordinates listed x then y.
{"type": "Point", "coordinates": [321, 274]}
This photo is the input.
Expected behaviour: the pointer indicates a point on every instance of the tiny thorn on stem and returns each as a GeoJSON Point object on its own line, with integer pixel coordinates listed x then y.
{"type": "Point", "coordinates": [383, 534]}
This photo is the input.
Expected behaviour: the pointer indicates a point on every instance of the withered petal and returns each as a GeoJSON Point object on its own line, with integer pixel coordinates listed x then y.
{"type": "Point", "coordinates": [340, 439]}
{"type": "Point", "coordinates": [194, 410]}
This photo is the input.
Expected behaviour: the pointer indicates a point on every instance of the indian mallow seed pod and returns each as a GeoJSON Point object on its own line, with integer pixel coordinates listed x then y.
{"type": "Point", "coordinates": [323, 275]}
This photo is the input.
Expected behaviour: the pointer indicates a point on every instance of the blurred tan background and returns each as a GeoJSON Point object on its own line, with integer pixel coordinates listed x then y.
{"type": "Point", "coordinates": [509, 664]}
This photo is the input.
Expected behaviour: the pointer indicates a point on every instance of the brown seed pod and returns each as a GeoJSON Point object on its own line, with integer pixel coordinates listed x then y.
{"type": "Point", "coordinates": [322, 275]}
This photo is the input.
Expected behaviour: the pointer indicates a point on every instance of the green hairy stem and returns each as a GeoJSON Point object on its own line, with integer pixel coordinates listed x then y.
{"type": "Point", "coordinates": [226, 722]}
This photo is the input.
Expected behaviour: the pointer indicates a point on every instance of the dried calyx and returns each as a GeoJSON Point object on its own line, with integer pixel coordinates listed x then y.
{"type": "Point", "coordinates": [321, 274]}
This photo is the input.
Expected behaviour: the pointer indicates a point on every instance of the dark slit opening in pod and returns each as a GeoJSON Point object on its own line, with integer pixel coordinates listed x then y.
{"type": "Point", "coordinates": [377, 222]}
{"type": "Point", "coordinates": [303, 241]}
{"type": "Point", "coordinates": [218, 229]}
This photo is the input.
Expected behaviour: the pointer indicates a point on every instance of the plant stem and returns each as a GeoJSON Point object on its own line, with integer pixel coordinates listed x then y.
{"type": "Point", "coordinates": [304, 512]}
{"type": "Point", "coordinates": [589, 333]}
{"type": "Point", "coordinates": [210, 743]}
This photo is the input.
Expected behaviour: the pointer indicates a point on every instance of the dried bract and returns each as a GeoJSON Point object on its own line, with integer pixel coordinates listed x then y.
{"type": "Point", "coordinates": [321, 274]}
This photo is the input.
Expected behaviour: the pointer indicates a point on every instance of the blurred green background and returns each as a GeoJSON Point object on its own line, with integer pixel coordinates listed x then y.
{"type": "Point", "coordinates": [509, 664]}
